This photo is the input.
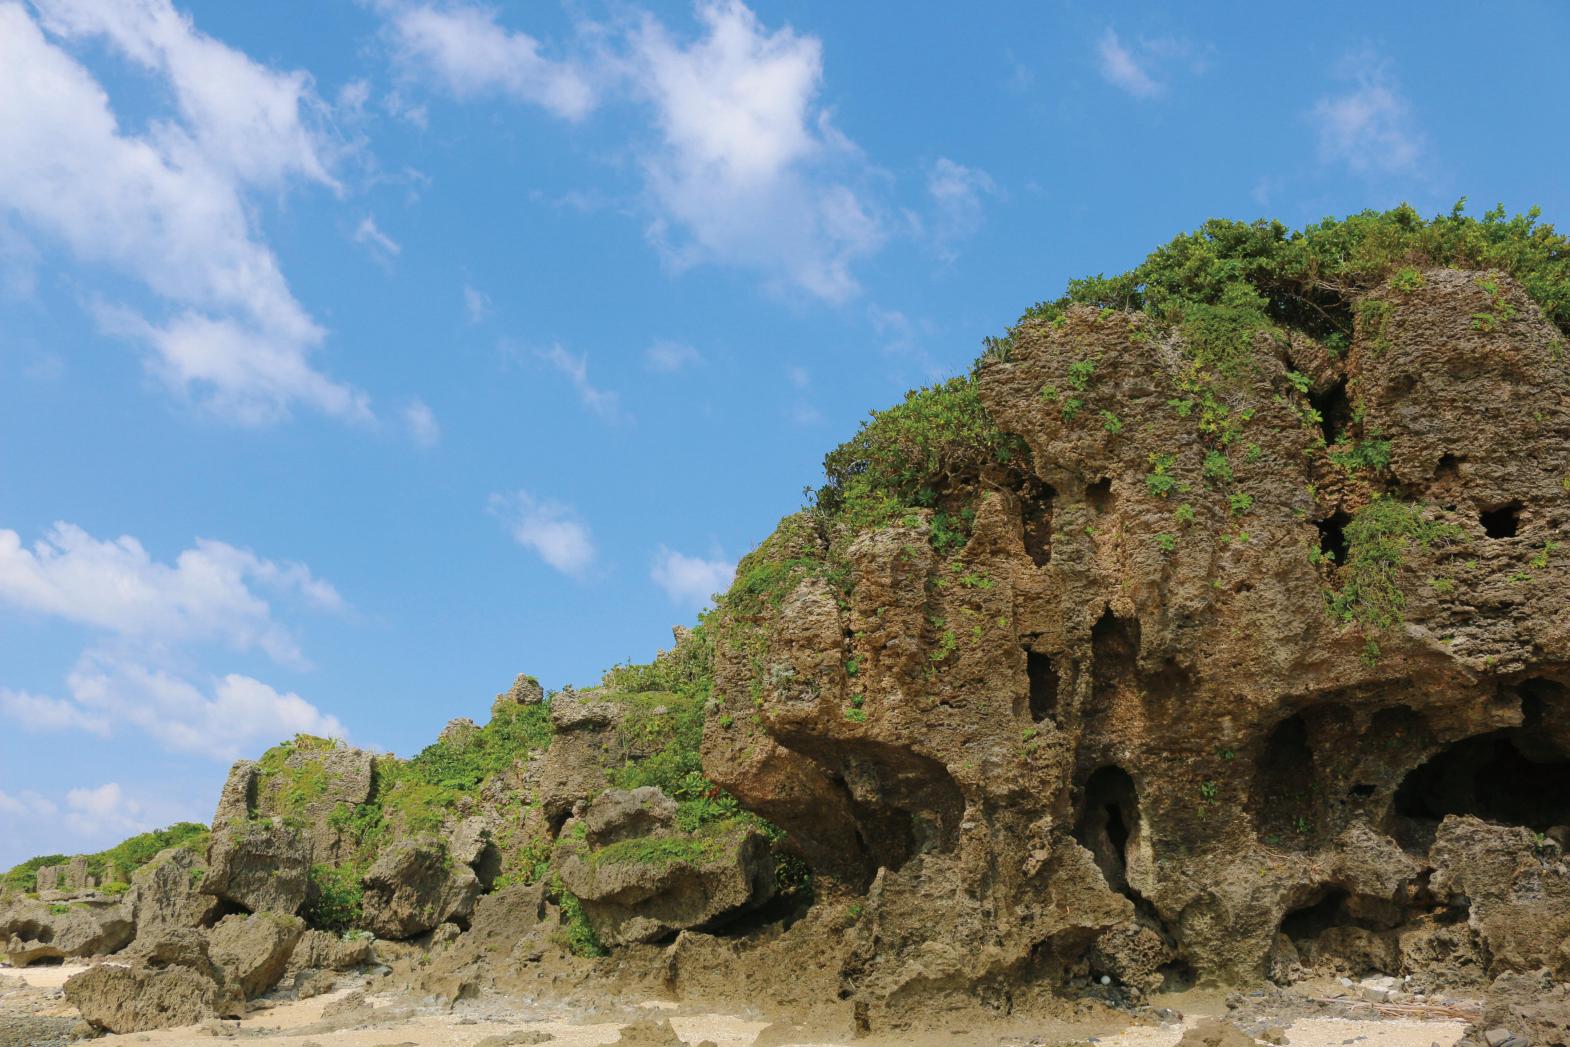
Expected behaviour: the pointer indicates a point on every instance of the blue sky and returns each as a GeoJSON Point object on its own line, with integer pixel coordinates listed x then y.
{"type": "Point", "coordinates": [355, 357]}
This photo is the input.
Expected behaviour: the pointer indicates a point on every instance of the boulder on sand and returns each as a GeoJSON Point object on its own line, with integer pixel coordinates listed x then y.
{"type": "Point", "coordinates": [172, 982]}
{"type": "Point", "coordinates": [254, 950]}
{"type": "Point", "coordinates": [32, 931]}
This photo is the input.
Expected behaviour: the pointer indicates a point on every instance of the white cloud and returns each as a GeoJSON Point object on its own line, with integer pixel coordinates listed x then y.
{"type": "Point", "coordinates": [745, 172]}
{"type": "Point", "coordinates": [691, 581]}
{"type": "Point", "coordinates": [37, 713]}
{"type": "Point", "coordinates": [253, 121]}
{"type": "Point", "coordinates": [221, 719]}
{"type": "Point", "coordinates": [1121, 69]}
{"type": "Point", "coordinates": [552, 530]}
{"type": "Point", "coordinates": [370, 236]}
{"type": "Point", "coordinates": [148, 612]}
{"type": "Point", "coordinates": [27, 804]}
{"type": "Point", "coordinates": [468, 53]}
{"type": "Point", "coordinates": [228, 717]}
{"type": "Point", "coordinates": [602, 402]}
{"type": "Point", "coordinates": [421, 421]}
{"type": "Point", "coordinates": [799, 376]}
{"type": "Point", "coordinates": [1369, 127]}
{"type": "Point", "coordinates": [956, 192]}
{"type": "Point", "coordinates": [209, 593]}
{"type": "Point", "coordinates": [90, 812]}
{"type": "Point", "coordinates": [668, 356]}
{"type": "Point", "coordinates": [1145, 68]}
{"type": "Point", "coordinates": [168, 206]}
{"type": "Point", "coordinates": [476, 304]}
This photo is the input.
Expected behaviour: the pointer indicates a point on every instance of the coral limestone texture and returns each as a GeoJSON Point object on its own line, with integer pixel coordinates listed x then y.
{"type": "Point", "coordinates": [1216, 628]}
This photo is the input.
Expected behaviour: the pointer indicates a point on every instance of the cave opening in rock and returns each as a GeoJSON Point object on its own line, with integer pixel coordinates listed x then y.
{"type": "Point", "coordinates": [1335, 411]}
{"type": "Point", "coordinates": [1284, 811]}
{"type": "Point", "coordinates": [1318, 916]}
{"type": "Point", "coordinates": [1503, 521]}
{"type": "Point", "coordinates": [33, 931]}
{"type": "Point", "coordinates": [1043, 683]}
{"type": "Point", "coordinates": [1449, 466]}
{"type": "Point", "coordinates": [1036, 519]}
{"type": "Point", "coordinates": [1099, 495]}
{"type": "Point", "coordinates": [1512, 777]}
{"type": "Point", "coordinates": [1332, 536]}
{"type": "Point", "coordinates": [1108, 821]}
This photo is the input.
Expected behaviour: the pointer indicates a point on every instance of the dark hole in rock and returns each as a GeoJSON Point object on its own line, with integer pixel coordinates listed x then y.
{"type": "Point", "coordinates": [1284, 786]}
{"type": "Point", "coordinates": [1114, 653]}
{"type": "Point", "coordinates": [1513, 777]}
{"type": "Point", "coordinates": [1332, 536]}
{"type": "Point", "coordinates": [1177, 976]}
{"type": "Point", "coordinates": [1099, 495]}
{"type": "Point", "coordinates": [1334, 410]}
{"type": "Point", "coordinates": [1317, 917]}
{"type": "Point", "coordinates": [488, 866]}
{"type": "Point", "coordinates": [1043, 686]}
{"type": "Point", "coordinates": [1502, 522]}
{"type": "Point", "coordinates": [34, 932]}
{"type": "Point", "coordinates": [1108, 821]}
{"type": "Point", "coordinates": [1338, 926]}
{"type": "Point", "coordinates": [1449, 466]}
{"type": "Point", "coordinates": [781, 911]}
{"type": "Point", "coordinates": [1535, 696]}
{"type": "Point", "coordinates": [225, 908]}
{"type": "Point", "coordinates": [1363, 792]}
{"type": "Point", "coordinates": [1036, 518]}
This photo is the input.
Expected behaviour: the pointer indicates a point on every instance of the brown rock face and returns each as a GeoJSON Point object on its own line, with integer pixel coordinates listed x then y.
{"type": "Point", "coordinates": [171, 982]}
{"type": "Point", "coordinates": [164, 894]}
{"type": "Point", "coordinates": [1226, 679]}
{"type": "Point", "coordinates": [258, 866]}
{"type": "Point", "coordinates": [669, 884]}
{"type": "Point", "coordinates": [33, 931]}
{"type": "Point", "coordinates": [415, 886]}
{"type": "Point", "coordinates": [319, 950]}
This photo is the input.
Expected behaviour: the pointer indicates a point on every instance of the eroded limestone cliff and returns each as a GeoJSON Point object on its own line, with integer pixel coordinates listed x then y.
{"type": "Point", "coordinates": [1215, 628]}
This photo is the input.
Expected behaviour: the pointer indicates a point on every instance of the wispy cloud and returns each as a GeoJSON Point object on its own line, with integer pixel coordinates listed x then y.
{"type": "Point", "coordinates": [1369, 127]}
{"type": "Point", "coordinates": [1146, 67]}
{"type": "Point", "coordinates": [145, 617]}
{"type": "Point", "coordinates": [370, 236]}
{"type": "Point", "coordinates": [170, 206]}
{"type": "Point", "coordinates": [551, 529]}
{"type": "Point", "coordinates": [958, 197]}
{"type": "Point", "coordinates": [421, 422]}
{"type": "Point", "coordinates": [1121, 69]}
{"type": "Point", "coordinates": [601, 402]}
{"type": "Point", "coordinates": [669, 357]}
{"type": "Point", "coordinates": [463, 48]}
{"type": "Point", "coordinates": [476, 305]}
